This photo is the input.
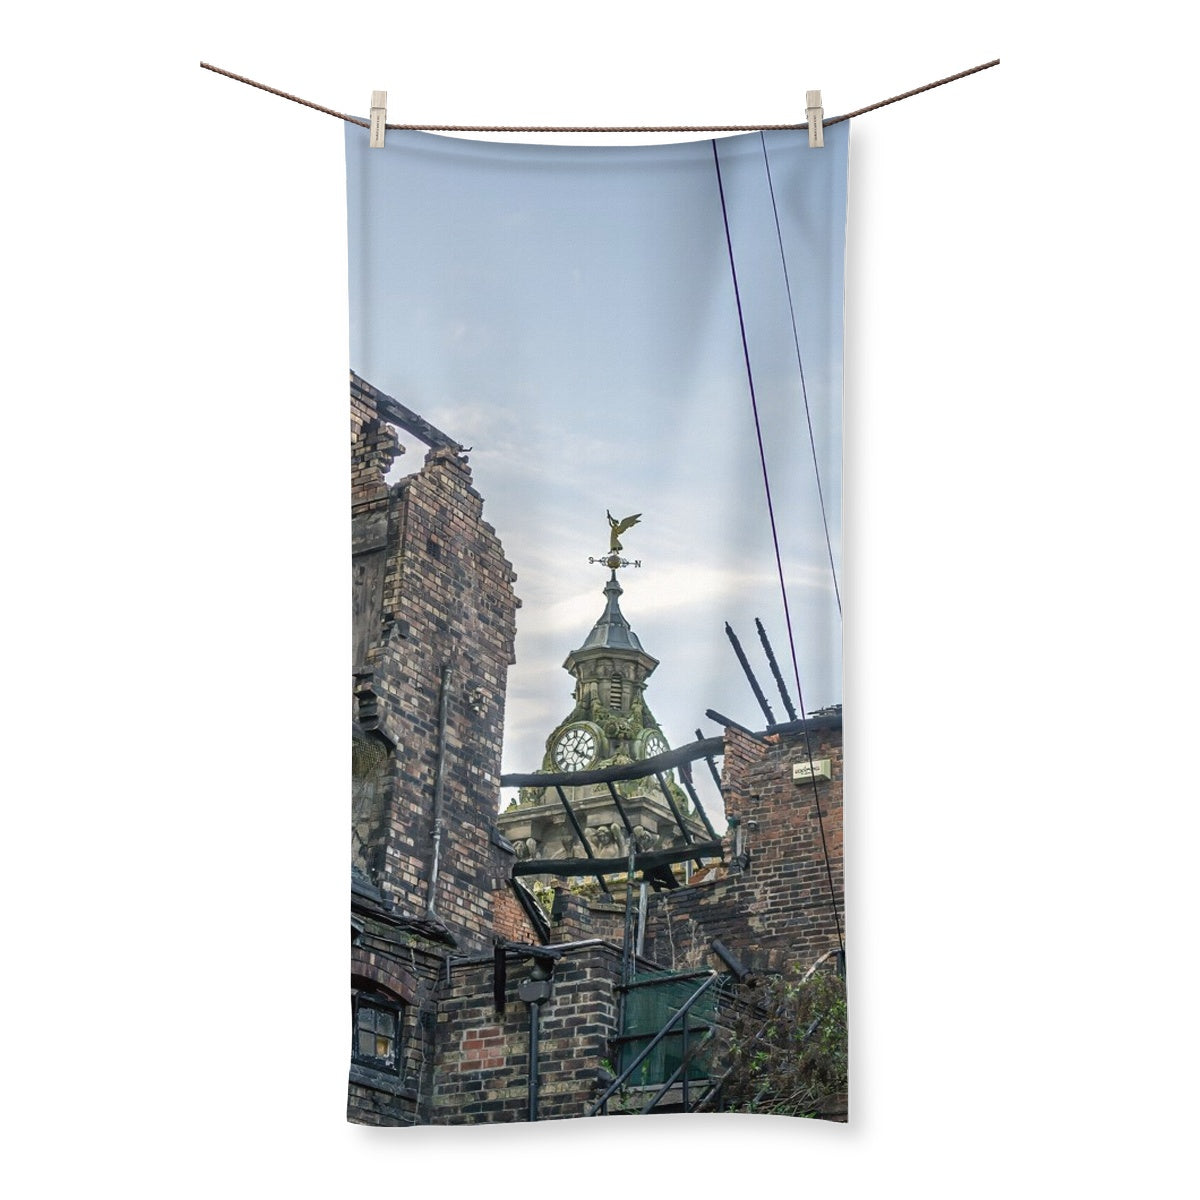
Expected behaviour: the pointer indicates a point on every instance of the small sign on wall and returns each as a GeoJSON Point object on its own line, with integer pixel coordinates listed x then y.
{"type": "Point", "coordinates": [818, 768]}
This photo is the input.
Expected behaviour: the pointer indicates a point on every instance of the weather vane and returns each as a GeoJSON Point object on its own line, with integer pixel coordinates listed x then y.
{"type": "Point", "coordinates": [613, 559]}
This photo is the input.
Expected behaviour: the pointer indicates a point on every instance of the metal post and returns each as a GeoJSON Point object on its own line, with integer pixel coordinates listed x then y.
{"type": "Point", "coordinates": [686, 1065]}
{"type": "Point", "coordinates": [627, 946]}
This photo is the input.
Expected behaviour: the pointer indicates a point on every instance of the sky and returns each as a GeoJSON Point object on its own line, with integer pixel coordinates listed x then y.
{"type": "Point", "coordinates": [569, 313]}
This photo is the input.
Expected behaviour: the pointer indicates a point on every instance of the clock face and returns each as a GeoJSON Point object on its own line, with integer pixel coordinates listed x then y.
{"type": "Point", "coordinates": [654, 744]}
{"type": "Point", "coordinates": [575, 748]}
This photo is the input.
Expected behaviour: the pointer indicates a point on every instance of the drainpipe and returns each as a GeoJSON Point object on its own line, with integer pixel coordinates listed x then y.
{"type": "Point", "coordinates": [535, 991]}
{"type": "Point", "coordinates": [439, 779]}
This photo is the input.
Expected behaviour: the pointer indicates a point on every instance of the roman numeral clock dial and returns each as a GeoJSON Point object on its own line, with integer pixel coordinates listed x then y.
{"type": "Point", "coordinates": [575, 748]}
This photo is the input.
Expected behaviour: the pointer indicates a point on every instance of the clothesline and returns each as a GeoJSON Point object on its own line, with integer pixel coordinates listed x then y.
{"type": "Point", "coordinates": [599, 128]}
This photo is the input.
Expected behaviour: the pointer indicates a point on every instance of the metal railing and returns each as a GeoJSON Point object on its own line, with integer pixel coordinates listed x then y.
{"type": "Point", "coordinates": [680, 1014]}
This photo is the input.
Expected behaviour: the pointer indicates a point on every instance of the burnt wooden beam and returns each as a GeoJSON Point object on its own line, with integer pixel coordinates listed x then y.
{"type": "Point", "coordinates": [730, 723]}
{"type": "Point", "coordinates": [616, 799]}
{"type": "Point", "coordinates": [687, 833]}
{"type": "Point", "coordinates": [824, 723]}
{"type": "Point", "coordinates": [587, 848]}
{"type": "Point", "coordinates": [770, 653]}
{"type": "Point", "coordinates": [648, 860]}
{"type": "Point", "coordinates": [637, 770]}
{"type": "Point", "coordinates": [712, 766]}
{"type": "Point", "coordinates": [403, 417]}
{"type": "Point", "coordinates": [749, 673]}
{"type": "Point", "coordinates": [685, 773]}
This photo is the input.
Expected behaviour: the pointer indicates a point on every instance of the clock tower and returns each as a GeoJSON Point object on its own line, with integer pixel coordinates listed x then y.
{"type": "Point", "coordinates": [610, 725]}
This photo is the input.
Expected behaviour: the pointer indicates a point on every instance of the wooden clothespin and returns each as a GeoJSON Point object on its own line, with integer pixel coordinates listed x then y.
{"type": "Point", "coordinates": [816, 121]}
{"type": "Point", "coordinates": [378, 118]}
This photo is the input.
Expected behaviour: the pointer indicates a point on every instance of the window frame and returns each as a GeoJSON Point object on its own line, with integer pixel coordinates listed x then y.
{"type": "Point", "coordinates": [377, 1002]}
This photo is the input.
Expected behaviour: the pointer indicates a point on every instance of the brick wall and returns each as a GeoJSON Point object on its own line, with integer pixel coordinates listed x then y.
{"type": "Point", "coordinates": [509, 919]}
{"type": "Point", "coordinates": [432, 589]}
{"type": "Point", "coordinates": [409, 974]}
{"type": "Point", "coordinates": [777, 907]}
{"type": "Point", "coordinates": [482, 1067]}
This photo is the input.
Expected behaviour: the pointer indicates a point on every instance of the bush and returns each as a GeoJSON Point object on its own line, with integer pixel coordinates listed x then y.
{"type": "Point", "coordinates": [787, 1052]}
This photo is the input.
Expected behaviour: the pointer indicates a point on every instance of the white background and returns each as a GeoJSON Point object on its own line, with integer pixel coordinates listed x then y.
{"type": "Point", "coordinates": [1020, 622]}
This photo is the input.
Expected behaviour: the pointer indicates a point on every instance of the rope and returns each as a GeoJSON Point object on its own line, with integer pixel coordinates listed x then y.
{"type": "Point", "coordinates": [803, 387]}
{"type": "Point", "coordinates": [787, 615]}
{"type": "Point", "coordinates": [596, 128]}
{"type": "Point", "coordinates": [287, 95]}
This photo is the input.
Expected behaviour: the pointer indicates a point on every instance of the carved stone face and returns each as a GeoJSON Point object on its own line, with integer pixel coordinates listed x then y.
{"type": "Point", "coordinates": [645, 839]}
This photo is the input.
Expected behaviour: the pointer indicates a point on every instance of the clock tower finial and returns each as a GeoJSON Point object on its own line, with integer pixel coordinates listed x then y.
{"type": "Point", "coordinates": [611, 722]}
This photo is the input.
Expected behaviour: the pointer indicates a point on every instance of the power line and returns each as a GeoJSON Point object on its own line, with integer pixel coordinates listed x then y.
{"type": "Point", "coordinates": [787, 615]}
{"type": "Point", "coordinates": [800, 364]}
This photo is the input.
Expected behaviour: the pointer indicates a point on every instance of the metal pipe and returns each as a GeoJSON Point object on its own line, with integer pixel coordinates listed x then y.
{"type": "Point", "coordinates": [533, 1059]}
{"type": "Point", "coordinates": [439, 781]}
{"type": "Point", "coordinates": [731, 960]}
{"type": "Point", "coordinates": [627, 935]}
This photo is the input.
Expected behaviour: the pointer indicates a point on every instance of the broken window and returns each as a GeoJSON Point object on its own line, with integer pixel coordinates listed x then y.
{"type": "Point", "coordinates": [377, 1029]}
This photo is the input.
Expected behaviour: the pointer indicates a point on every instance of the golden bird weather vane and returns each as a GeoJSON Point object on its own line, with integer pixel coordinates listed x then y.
{"type": "Point", "coordinates": [616, 527]}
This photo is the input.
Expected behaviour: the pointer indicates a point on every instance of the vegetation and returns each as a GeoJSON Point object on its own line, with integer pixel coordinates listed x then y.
{"type": "Point", "coordinates": [787, 1053]}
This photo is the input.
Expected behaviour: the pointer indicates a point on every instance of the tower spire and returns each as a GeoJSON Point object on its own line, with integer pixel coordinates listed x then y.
{"type": "Point", "coordinates": [612, 631]}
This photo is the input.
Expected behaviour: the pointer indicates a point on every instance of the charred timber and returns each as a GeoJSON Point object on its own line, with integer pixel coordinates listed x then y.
{"type": "Point", "coordinates": [403, 417]}
{"type": "Point", "coordinates": [770, 653]}
{"type": "Point", "coordinates": [749, 673]}
{"type": "Point", "coordinates": [567, 867]}
{"type": "Point", "coordinates": [637, 770]}
{"type": "Point", "coordinates": [822, 724]}
{"type": "Point", "coordinates": [587, 848]}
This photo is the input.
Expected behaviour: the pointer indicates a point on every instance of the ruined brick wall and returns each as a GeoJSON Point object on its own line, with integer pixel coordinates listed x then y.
{"type": "Point", "coordinates": [788, 858]}
{"type": "Point", "coordinates": [409, 975]}
{"type": "Point", "coordinates": [482, 1069]}
{"type": "Point", "coordinates": [433, 606]}
{"type": "Point", "coordinates": [778, 905]}
{"type": "Point", "coordinates": [509, 919]}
